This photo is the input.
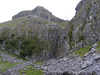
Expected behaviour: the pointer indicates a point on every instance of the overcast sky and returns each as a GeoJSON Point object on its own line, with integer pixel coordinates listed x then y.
{"type": "Point", "coordinates": [64, 9]}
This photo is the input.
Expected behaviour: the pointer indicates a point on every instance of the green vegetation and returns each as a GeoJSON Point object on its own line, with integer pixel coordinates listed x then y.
{"type": "Point", "coordinates": [81, 38]}
{"type": "Point", "coordinates": [29, 70]}
{"type": "Point", "coordinates": [98, 47]}
{"type": "Point", "coordinates": [81, 30]}
{"type": "Point", "coordinates": [39, 63]}
{"type": "Point", "coordinates": [23, 20]}
{"type": "Point", "coordinates": [4, 65]}
{"type": "Point", "coordinates": [63, 24]}
{"type": "Point", "coordinates": [26, 47]}
{"type": "Point", "coordinates": [12, 44]}
{"type": "Point", "coordinates": [70, 35]}
{"type": "Point", "coordinates": [19, 36]}
{"type": "Point", "coordinates": [30, 47]}
{"type": "Point", "coordinates": [82, 51]}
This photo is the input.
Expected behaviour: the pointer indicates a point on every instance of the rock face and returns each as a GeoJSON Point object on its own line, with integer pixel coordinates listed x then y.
{"type": "Point", "coordinates": [38, 23]}
{"type": "Point", "coordinates": [39, 12]}
{"type": "Point", "coordinates": [86, 23]}
{"type": "Point", "coordinates": [82, 30]}
{"type": "Point", "coordinates": [88, 65]}
{"type": "Point", "coordinates": [56, 37]}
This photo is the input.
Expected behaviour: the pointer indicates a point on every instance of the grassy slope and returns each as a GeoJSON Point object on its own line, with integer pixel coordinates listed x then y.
{"type": "Point", "coordinates": [84, 50]}
{"type": "Point", "coordinates": [24, 20]}
{"type": "Point", "coordinates": [29, 70]}
{"type": "Point", "coordinates": [98, 47]}
{"type": "Point", "coordinates": [4, 65]}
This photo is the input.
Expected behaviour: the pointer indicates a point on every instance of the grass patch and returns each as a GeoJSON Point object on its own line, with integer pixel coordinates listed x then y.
{"type": "Point", "coordinates": [29, 70]}
{"type": "Point", "coordinates": [6, 65]}
{"type": "Point", "coordinates": [39, 63]}
{"type": "Point", "coordinates": [98, 47]}
{"type": "Point", "coordinates": [82, 51]}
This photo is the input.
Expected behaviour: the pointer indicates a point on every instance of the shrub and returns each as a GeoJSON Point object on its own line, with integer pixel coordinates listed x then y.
{"type": "Point", "coordinates": [82, 51]}
{"type": "Point", "coordinates": [30, 47]}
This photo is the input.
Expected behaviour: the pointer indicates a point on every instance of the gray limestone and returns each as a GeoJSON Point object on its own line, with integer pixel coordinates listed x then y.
{"type": "Point", "coordinates": [88, 65]}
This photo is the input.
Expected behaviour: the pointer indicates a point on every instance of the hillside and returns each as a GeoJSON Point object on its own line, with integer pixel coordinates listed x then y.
{"type": "Point", "coordinates": [38, 27]}
{"type": "Point", "coordinates": [38, 12]}
{"type": "Point", "coordinates": [48, 45]}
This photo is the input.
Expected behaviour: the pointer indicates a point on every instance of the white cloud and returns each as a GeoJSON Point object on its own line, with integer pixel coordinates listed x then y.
{"type": "Point", "coordinates": [64, 9]}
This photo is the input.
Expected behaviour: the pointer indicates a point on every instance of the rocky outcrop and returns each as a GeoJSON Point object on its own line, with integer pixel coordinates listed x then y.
{"type": "Point", "coordinates": [81, 31]}
{"type": "Point", "coordinates": [88, 65]}
{"type": "Point", "coordinates": [38, 12]}
{"type": "Point", "coordinates": [38, 22]}
{"type": "Point", "coordinates": [56, 36]}
{"type": "Point", "coordinates": [86, 23]}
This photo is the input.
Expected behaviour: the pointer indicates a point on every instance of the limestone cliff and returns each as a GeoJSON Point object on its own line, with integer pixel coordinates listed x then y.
{"type": "Point", "coordinates": [39, 12]}
{"type": "Point", "coordinates": [81, 31]}
{"type": "Point", "coordinates": [36, 27]}
{"type": "Point", "coordinates": [38, 34]}
{"type": "Point", "coordinates": [86, 23]}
